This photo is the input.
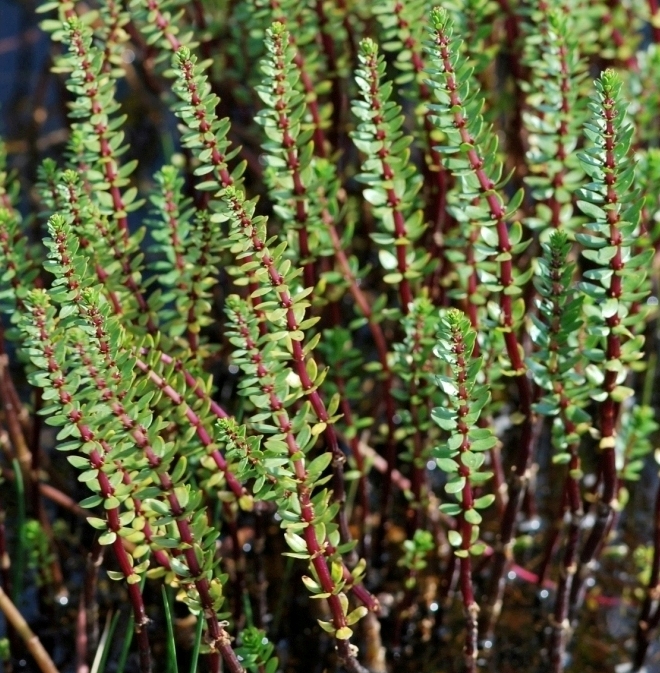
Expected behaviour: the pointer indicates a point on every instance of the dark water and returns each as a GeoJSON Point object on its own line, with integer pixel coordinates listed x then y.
{"type": "Point", "coordinates": [24, 50]}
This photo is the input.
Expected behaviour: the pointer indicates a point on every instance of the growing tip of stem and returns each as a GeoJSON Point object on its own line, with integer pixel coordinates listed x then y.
{"type": "Point", "coordinates": [182, 55]}
{"type": "Point", "coordinates": [440, 19]}
{"type": "Point", "coordinates": [368, 47]}
{"type": "Point", "coordinates": [609, 81]}
{"type": "Point", "coordinates": [278, 28]}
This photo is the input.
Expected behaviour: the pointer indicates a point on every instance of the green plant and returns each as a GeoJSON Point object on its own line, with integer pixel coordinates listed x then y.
{"type": "Point", "coordinates": [382, 302]}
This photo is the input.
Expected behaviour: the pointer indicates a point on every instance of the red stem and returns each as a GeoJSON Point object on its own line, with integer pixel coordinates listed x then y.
{"type": "Point", "coordinates": [415, 512]}
{"type": "Point", "coordinates": [286, 302]}
{"type": "Point", "coordinates": [282, 418]}
{"type": "Point", "coordinates": [393, 201]}
{"type": "Point", "coordinates": [106, 490]}
{"type": "Point", "coordinates": [202, 433]}
{"type": "Point", "coordinates": [219, 638]}
{"type": "Point", "coordinates": [163, 24]}
{"type": "Point", "coordinates": [524, 452]}
{"type": "Point", "coordinates": [106, 153]}
{"type": "Point", "coordinates": [608, 408]}
{"type": "Point", "coordinates": [293, 164]}
{"type": "Point", "coordinates": [467, 503]}
{"type": "Point", "coordinates": [314, 549]}
{"type": "Point", "coordinates": [191, 381]}
{"type": "Point", "coordinates": [308, 85]}
{"type": "Point", "coordinates": [435, 170]}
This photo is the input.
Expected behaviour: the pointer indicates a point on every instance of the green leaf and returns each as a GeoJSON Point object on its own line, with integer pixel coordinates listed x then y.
{"type": "Point", "coordinates": [484, 501]}
{"type": "Point", "coordinates": [447, 464]}
{"type": "Point", "coordinates": [472, 516]}
{"type": "Point", "coordinates": [455, 485]}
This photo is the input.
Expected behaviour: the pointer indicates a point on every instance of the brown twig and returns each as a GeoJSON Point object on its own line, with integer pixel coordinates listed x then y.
{"type": "Point", "coordinates": [32, 642]}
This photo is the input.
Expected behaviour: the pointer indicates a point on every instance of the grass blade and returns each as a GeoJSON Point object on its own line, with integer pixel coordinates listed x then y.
{"type": "Point", "coordinates": [19, 557]}
{"type": "Point", "coordinates": [198, 641]}
{"type": "Point", "coordinates": [172, 666]}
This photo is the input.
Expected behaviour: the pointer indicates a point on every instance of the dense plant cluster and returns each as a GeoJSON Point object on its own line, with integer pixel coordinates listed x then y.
{"type": "Point", "coordinates": [355, 369]}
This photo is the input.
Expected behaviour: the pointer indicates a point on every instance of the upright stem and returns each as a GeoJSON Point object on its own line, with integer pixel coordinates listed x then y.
{"type": "Point", "coordinates": [467, 503]}
{"type": "Point", "coordinates": [520, 470]}
{"type": "Point", "coordinates": [219, 638]}
{"type": "Point", "coordinates": [307, 514]}
{"type": "Point", "coordinates": [609, 408]}
{"type": "Point", "coordinates": [106, 152]}
{"type": "Point", "coordinates": [298, 354]}
{"type": "Point", "coordinates": [281, 416]}
{"type": "Point", "coordinates": [380, 343]}
{"type": "Point", "coordinates": [436, 173]}
{"type": "Point", "coordinates": [107, 491]}
{"type": "Point", "coordinates": [292, 159]}
{"type": "Point", "coordinates": [200, 430]}
{"type": "Point", "coordinates": [387, 175]}
{"type": "Point", "coordinates": [107, 157]}
{"type": "Point", "coordinates": [573, 501]}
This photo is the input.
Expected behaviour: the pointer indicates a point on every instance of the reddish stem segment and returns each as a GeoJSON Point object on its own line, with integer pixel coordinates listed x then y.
{"type": "Point", "coordinates": [292, 161]}
{"type": "Point", "coordinates": [201, 431]}
{"type": "Point", "coordinates": [107, 394]}
{"type": "Point", "coordinates": [219, 638]}
{"type": "Point", "coordinates": [194, 384]}
{"type": "Point", "coordinates": [387, 174]}
{"type": "Point", "coordinates": [208, 139]}
{"type": "Point", "coordinates": [106, 152]}
{"type": "Point", "coordinates": [190, 380]}
{"type": "Point", "coordinates": [608, 408]}
{"type": "Point", "coordinates": [107, 157]}
{"type": "Point", "coordinates": [415, 512]}
{"type": "Point", "coordinates": [514, 351]}
{"type": "Point", "coordinates": [380, 342]}
{"type": "Point", "coordinates": [571, 497]}
{"type": "Point", "coordinates": [467, 503]}
{"type": "Point", "coordinates": [315, 549]}
{"type": "Point", "coordinates": [402, 246]}
{"type": "Point", "coordinates": [285, 300]}
{"type": "Point", "coordinates": [281, 416]}
{"type": "Point", "coordinates": [172, 216]}
{"type": "Point", "coordinates": [435, 170]}
{"type": "Point", "coordinates": [106, 491]}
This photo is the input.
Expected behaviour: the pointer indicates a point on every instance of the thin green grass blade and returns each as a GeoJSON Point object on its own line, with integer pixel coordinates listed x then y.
{"type": "Point", "coordinates": [172, 666]}
{"type": "Point", "coordinates": [21, 545]}
{"type": "Point", "coordinates": [128, 637]}
{"type": "Point", "coordinates": [198, 642]}
{"type": "Point", "coordinates": [105, 644]}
